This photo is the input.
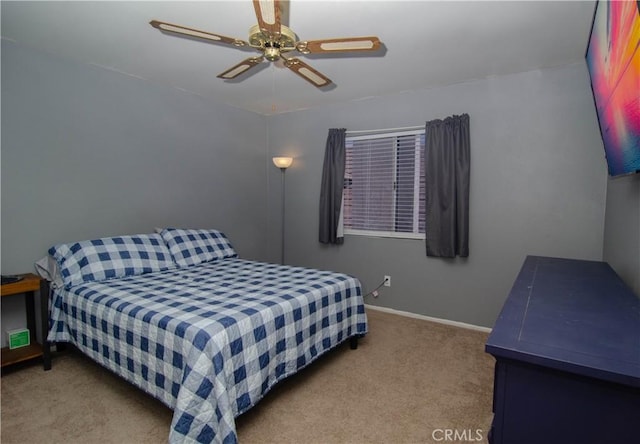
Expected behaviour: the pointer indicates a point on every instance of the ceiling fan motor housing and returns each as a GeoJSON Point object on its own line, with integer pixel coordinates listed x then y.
{"type": "Point", "coordinates": [272, 46]}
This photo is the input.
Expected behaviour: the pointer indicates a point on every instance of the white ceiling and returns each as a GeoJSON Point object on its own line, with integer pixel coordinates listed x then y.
{"type": "Point", "coordinates": [426, 44]}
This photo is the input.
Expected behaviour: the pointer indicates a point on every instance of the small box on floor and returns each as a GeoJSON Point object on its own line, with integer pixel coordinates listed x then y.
{"type": "Point", "coordinates": [19, 338]}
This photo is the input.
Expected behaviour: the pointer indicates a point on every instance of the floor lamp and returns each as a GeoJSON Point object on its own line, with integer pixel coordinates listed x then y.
{"type": "Point", "coordinates": [283, 163]}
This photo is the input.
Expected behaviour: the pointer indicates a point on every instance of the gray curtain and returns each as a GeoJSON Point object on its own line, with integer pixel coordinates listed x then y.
{"type": "Point", "coordinates": [446, 159]}
{"type": "Point", "coordinates": [332, 186]}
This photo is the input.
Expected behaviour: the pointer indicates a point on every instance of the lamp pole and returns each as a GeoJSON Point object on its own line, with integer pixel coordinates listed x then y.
{"type": "Point", "coordinates": [283, 163]}
{"type": "Point", "coordinates": [282, 236]}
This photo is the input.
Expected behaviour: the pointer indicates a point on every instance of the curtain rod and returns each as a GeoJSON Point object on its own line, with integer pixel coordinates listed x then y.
{"type": "Point", "coordinates": [406, 128]}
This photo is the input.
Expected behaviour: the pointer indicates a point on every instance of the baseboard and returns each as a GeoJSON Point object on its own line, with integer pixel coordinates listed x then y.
{"type": "Point", "coordinates": [429, 318]}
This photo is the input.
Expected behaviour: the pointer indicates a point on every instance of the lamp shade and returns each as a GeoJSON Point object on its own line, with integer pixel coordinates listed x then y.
{"type": "Point", "coordinates": [283, 162]}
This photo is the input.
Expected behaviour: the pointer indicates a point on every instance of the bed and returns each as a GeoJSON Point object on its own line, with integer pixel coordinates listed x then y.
{"type": "Point", "coordinates": [180, 316]}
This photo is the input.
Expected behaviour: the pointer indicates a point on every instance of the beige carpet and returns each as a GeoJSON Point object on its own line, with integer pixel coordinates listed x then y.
{"type": "Point", "coordinates": [408, 382]}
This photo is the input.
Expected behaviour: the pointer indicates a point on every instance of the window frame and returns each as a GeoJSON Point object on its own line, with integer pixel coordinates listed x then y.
{"type": "Point", "coordinates": [418, 160]}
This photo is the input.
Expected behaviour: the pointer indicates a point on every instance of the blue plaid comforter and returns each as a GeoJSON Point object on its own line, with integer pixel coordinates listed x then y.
{"type": "Point", "coordinates": [210, 340]}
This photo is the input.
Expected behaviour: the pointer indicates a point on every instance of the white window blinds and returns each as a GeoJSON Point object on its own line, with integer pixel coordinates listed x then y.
{"type": "Point", "coordinates": [384, 184]}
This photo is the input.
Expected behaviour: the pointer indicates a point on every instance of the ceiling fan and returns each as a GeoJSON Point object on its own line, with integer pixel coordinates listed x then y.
{"type": "Point", "coordinates": [274, 40]}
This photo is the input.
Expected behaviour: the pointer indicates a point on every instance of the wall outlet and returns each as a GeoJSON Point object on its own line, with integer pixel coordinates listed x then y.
{"type": "Point", "coordinates": [387, 281]}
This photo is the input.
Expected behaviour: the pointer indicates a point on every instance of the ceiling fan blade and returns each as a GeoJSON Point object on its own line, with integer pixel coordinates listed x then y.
{"type": "Point", "coordinates": [307, 72]}
{"type": "Point", "coordinates": [240, 68]}
{"type": "Point", "coordinates": [285, 8]}
{"type": "Point", "coordinates": [268, 15]}
{"type": "Point", "coordinates": [196, 33]}
{"type": "Point", "coordinates": [345, 44]}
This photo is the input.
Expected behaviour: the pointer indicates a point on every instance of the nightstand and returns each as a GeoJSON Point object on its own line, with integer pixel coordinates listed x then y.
{"type": "Point", "coordinates": [28, 285]}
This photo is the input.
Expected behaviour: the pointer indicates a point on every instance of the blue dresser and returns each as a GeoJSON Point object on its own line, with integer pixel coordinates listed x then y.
{"type": "Point", "coordinates": [567, 350]}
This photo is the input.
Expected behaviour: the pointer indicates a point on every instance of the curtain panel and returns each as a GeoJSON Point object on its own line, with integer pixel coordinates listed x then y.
{"type": "Point", "coordinates": [447, 152]}
{"type": "Point", "coordinates": [332, 187]}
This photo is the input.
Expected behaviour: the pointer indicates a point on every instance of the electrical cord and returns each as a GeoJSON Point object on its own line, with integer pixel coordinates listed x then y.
{"type": "Point", "coordinates": [374, 292]}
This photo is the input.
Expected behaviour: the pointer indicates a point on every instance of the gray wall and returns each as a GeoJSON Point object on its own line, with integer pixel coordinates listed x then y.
{"type": "Point", "coordinates": [622, 229]}
{"type": "Point", "coordinates": [89, 153]}
{"type": "Point", "coordinates": [538, 181]}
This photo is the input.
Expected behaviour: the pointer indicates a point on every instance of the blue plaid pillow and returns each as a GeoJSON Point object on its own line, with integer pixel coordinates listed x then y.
{"type": "Point", "coordinates": [111, 257]}
{"type": "Point", "coordinates": [192, 247]}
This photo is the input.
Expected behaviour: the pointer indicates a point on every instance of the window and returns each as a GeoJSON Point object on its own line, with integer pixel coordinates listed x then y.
{"type": "Point", "coordinates": [384, 184]}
